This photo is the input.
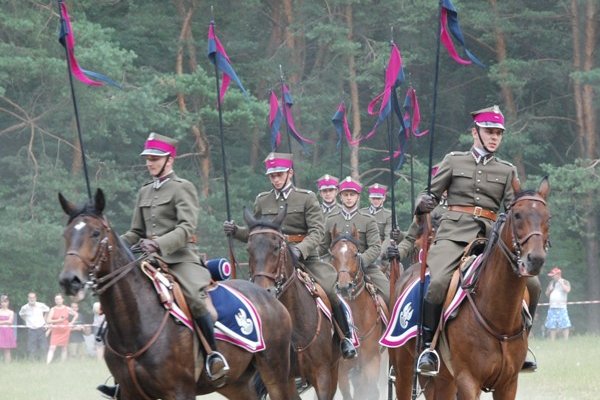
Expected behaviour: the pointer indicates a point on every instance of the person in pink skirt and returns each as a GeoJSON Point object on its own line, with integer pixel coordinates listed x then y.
{"type": "Point", "coordinates": [8, 339]}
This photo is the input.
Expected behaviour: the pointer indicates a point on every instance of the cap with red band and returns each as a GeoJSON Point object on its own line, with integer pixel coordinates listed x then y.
{"type": "Point", "coordinates": [159, 145]}
{"type": "Point", "coordinates": [350, 184]}
{"type": "Point", "coordinates": [327, 182]}
{"type": "Point", "coordinates": [278, 162]}
{"type": "Point", "coordinates": [377, 191]}
{"type": "Point", "coordinates": [490, 117]}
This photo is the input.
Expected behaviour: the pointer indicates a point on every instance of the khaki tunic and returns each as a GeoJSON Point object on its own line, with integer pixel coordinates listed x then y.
{"type": "Point", "coordinates": [169, 215]}
{"type": "Point", "coordinates": [305, 217]}
{"type": "Point", "coordinates": [469, 182]}
{"type": "Point", "coordinates": [369, 244]}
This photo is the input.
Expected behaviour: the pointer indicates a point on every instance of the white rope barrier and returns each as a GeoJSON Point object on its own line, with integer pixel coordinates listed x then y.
{"type": "Point", "coordinates": [574, 302]}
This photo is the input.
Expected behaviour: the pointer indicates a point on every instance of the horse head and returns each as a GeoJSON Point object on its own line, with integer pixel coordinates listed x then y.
{"type": "Point", "coordinates": [86, 243]}
{"type": "Point", "coordinates": [269, 256]}
{"type": "Point", "coordinates": [345, 259]}
{"type": "Point", "coordinates": [526, 232]}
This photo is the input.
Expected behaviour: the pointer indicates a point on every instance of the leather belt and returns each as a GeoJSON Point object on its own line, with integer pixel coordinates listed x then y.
{"type": "Point", "coordinates": [295, 238]}
{"type": "Point", "coordinates": [476, 211]}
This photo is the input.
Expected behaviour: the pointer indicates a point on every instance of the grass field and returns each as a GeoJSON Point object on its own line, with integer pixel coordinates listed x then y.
{"type": "Point", "coordinates": [568, 370]}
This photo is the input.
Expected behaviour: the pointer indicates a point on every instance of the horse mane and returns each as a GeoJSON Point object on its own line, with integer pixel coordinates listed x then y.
{"type": "Point", "coordinates": [263, 222]}
{"type": "Point", "coordinates": [87, 208]}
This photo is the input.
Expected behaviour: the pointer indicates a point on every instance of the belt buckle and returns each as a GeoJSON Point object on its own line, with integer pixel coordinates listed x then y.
{"type": "Point", "coordinates": [477, 211]}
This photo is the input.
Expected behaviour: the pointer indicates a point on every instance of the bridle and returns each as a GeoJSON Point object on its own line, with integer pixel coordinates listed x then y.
{"type": "Point", "coordinates": [280, 277]}
{"type": "Point", "coordinates": [514, 254]}
{"type": "Point", "coordinates": [357, 283]}
{"type": "Point", "coordinates": [103, 252]}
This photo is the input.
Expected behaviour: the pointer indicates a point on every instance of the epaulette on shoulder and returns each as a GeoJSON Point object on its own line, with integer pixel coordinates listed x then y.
{"type": "Point", "coordinates": [264, 193]}
{"type": "Point", "coordinates": [505, 162]}
{"type": "Point", "coordinates": [364, 211]}
{"type": "Point", "coordinates": [306, 191]}
{"type": "Point", "coordinates": [459, 153]}
{"type": "Point", "coordinates": [147, 183]}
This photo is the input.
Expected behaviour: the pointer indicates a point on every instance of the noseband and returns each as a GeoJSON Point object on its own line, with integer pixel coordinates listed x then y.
{"type": "Point", "coordinates": [279, 277]}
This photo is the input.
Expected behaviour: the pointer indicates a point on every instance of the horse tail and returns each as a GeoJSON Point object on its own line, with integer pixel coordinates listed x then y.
{"type": "Point", "coordinates": [259, 386]}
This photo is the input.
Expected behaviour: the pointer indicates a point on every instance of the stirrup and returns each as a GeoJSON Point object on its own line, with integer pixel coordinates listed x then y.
{"type": "Point", "coordinates": [434, 354]}
{"type": "Point", "coordinates": [108, 392]}
{"type": "Point", "coordinates": [529, 365]}
{"type": "Point", "coordinates": [392, 374]}
{"type": "Point", "coordinates": [216, 356]}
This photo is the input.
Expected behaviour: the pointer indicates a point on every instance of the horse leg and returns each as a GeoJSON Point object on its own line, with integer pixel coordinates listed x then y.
{"type": "Point", "coordinates": [275, 375]}
{"type": "Point", "coordinates": [344, 377]}
{"type": "Point", "coordinates": [508, 391]}
{"type": "Point", "coordinates": [468, 388]}
{"type": "Point", "coordinates": [368, 378]}
{"type": "Point", "coordinates": [403, 362]}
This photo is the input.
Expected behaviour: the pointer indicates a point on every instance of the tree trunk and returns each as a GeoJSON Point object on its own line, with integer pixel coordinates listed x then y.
{"type": "Point", "coordinates": [354, 98]}
{"type": "Point", "coordinates": [584, 45]}
{"type": "Point", "coordinates": [186, 42]}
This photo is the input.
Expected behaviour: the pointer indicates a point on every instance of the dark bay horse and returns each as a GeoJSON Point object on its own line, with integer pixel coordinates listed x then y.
{"type": "Point", "coordinates": [148, 353]}
{"type": "Point", "coordinates": [271, 264]}
{"type": "Point", "coordinates": [484, 347]}
{"type": "Point", "coordinates": [351, 285]}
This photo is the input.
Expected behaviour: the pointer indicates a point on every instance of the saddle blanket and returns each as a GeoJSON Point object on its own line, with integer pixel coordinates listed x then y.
{"type": "Point", "coordinates": [239, 322]}
{"type": "Point", "coordinates": [404, 320]}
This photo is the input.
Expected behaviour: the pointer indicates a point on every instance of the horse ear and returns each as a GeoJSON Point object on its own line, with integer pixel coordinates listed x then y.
{"type": "Point", "coordinates": [248, 217]}
{"type": "Point", "coordinates": [66, 205]}
{"type": "Point", "coordinates": [516, 184]}
{"type": "Point", "coordinates": [278, 220]}
{"type": "Point", "coordinates": [544, 189]}
{"type": "Point", "coordinates": [99, 200]}
{"type": "Point", "coordinates": [354, 231]}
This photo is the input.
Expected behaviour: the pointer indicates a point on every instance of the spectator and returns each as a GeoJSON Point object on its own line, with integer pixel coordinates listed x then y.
{"type": "Point", "coordinates": [97, 327]}
{"type": "Point", "coordinates": [558, 317]}
{"type": "Point", "coordinates": [58, 320]}
{"type": "Point", "coordinates": [76, 342]}
{"type": "Point", "coordinates": [8, 339]}
{"type": "Point", "coordinates": [33, 313]}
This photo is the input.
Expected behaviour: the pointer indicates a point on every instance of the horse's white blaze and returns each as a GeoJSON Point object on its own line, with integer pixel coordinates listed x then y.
{"type": "Point", "coordinates": [344, 248]}
{"type": "Point", "coordinates": [80, 225]}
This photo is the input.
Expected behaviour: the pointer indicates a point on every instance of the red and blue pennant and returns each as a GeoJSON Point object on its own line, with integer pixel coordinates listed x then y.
{"type": "Point", "coordinates": [449, 24]}
{"type": "Point", "coordinates": [275, 116]}
{"type": "Point", "coordinates": [218, 56]}
{"type": "Point", "coordinates": [340, 122]}
{"type": "Point", "coordinates": [67, 39]}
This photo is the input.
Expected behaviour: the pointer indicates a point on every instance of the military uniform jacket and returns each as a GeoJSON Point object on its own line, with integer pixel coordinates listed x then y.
{"type": "Point", "coordinates": [471, 183]}
{"type": "Point", "coordinates": [168, 215]}
{"type": "Point", "coordinates": [304, 217]}
{"type": "Point", "coordinates": [369, 242]}
{"type": "Point", "coordinates": [328, 210]}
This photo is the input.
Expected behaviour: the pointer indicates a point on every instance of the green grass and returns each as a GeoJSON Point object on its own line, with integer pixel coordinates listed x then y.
{"type": "Point", "coordinates": [567, 370]}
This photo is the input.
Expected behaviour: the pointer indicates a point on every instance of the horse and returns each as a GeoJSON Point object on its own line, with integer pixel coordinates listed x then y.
{"type": "Point", "coordinates": [272, 266]}
{"type": "Point", "coordinates": [365, 308]}
{"type": "Point", "coordinates": [485, 345]}
{"type": "Point", "coordinates": [148, 353]}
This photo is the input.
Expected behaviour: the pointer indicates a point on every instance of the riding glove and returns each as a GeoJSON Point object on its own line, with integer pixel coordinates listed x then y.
{"type": "Point", "coordinates": [229, 227]}
{"type": "Point", "coordinates": [425, 204]}
{"type": "Point", "coordinates": [392, 252]}
{"type": "Point", "coordinates": [149, 246]}
{"type": "Point", "coordinates": [296, 252]}
{"type": "Point", "coordinates": [396, 235]}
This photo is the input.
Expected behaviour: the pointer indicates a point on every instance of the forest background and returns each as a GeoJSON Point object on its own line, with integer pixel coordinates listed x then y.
{"type": "Point", "coordinates": [542, 70]}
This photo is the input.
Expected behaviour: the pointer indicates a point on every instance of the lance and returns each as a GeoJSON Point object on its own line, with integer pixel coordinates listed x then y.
{"type": "Point", "coordinates": [74, 99]}
{"type": "Point", "coordinates": [426, 221]}
{"type": "Point", "coordinates": [224, 164]}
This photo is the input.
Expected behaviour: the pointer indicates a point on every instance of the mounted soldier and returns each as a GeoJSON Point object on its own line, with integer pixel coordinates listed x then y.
{"type": "Point", "coordinates": [304, 228]}
{"type": "Point", "coordinates": [350, 217]}
{"type": "Point", "coordinates": [327, 185]}
{"type": "Point", "coordinates": [477, 183]}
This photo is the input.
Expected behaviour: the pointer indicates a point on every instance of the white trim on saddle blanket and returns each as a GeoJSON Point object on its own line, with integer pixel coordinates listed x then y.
{"type": "Point", "coordinates": [239, 322]}
{"type": "Point", "coordinates": [404, 320]}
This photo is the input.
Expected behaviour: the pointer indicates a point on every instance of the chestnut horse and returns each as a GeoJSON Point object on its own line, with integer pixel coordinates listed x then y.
{"type": "Point", "coordinates": [271, 263]}
{"type": "Point", "coordinates": [351, 285]}
{"type": "Point", "coordinates": [148, 353]}
{"type": "Point", "coordinates": [484, 346]}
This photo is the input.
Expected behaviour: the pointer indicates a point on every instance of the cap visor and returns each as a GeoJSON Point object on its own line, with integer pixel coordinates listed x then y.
{"type": "Point", "coordinates": [154, 152]}
{"type": "Point", "coordinates": [490, 125]}
{"type": "Point", "coordinates": [278, 169]}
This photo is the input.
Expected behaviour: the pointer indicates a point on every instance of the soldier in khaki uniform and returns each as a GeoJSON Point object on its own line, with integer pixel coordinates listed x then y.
{"type": "Point", "coordinates": [164, 222]}
{"type": "Point", "coordinates": [477, 184]}
{"type": "Point", "coordinates": [369, 240]}
{"type": "Point", "coordinates": [327, 186]}
{"type": "Point", "coordinates": [304, 227]}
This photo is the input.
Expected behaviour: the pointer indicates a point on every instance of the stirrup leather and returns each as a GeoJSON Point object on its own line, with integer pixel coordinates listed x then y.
{"type": "Point", "coordinates": [435, 354]}
{"type": "Point", "coordinates": [216, 355]}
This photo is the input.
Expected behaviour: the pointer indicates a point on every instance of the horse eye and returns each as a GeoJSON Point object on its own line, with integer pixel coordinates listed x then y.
{"type": "Point", "coordinates": [517, 215]}
{"type": "Point", "coordinates": [95, 234]}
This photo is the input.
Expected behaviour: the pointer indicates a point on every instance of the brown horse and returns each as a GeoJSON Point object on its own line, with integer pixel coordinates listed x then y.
{"type": "Point", "coordinates": [148, 353]}
{"type": "Point", "coordinates": [484, 347]}
{"type": "Point", "coordinates": [351, 285]}
{"type": "Point", "coordinates": [272, 266]}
